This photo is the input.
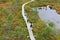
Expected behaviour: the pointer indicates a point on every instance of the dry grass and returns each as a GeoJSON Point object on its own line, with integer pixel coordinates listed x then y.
{"type": "Point", "coordinates": [5, 4]}
{"type": "Point", "coordinates": [55, 5]}
{"type": "Point", "coordinates": [11, 19]}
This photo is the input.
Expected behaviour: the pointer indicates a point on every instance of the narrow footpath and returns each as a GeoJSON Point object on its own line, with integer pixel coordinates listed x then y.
{"type": "Point", "coordinates": [27, 22]}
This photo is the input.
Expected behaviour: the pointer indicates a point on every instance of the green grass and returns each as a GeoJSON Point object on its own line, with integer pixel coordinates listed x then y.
{"type": "Point", "coordinates": [12, 23]}
{"type": "Point", "coordinates": [13, 27]}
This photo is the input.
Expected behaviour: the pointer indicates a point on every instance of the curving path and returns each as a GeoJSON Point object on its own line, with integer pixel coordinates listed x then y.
{"type": "Point", "coordinates": [27, 23]}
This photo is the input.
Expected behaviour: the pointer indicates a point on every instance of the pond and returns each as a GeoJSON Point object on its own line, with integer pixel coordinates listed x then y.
{"type": "Point", "coordinates": [49, 14]}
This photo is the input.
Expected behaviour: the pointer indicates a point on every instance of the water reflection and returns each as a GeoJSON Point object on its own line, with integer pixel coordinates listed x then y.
{"type": "Point", "coordinates": [49, 14]}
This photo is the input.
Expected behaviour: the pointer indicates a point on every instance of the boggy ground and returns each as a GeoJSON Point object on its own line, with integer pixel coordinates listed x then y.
{"type": "Point", "coordinates": [12, 25]}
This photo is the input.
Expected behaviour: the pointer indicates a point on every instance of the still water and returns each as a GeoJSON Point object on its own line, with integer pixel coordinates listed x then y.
{"type": "Point", "coordinates": [49, 14]}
